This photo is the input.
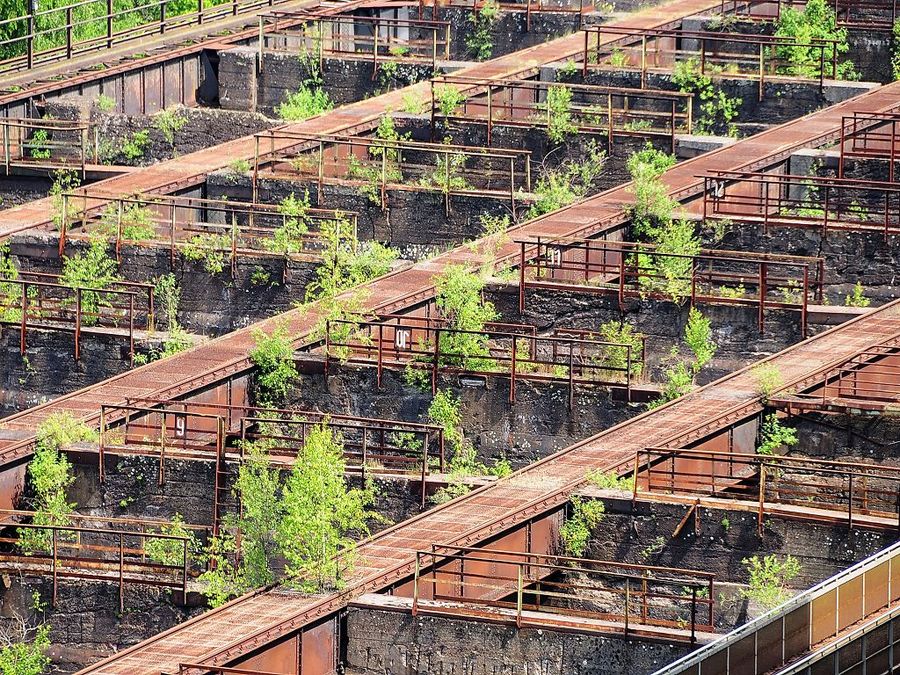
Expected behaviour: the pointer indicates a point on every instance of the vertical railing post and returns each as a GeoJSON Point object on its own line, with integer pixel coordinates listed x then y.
{"type": "Point", "coordinates": [121, 573]}
{"type": "Point", "coordinates": [78, 309]}
{"type": "Point", "coordinates": [519, 591]}
{"type": "Point", "coordinates": [109, 23]}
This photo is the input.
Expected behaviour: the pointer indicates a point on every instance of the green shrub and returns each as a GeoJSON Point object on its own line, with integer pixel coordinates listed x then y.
{"type": "Point", "coordinates": [769, 577]}
{"type": "Point", "coordinates": [273, 356]}
{"type": "Point", "coordinates": [306, 102]}
{"type": "Point", "coordinates": [773, 435]}
{"type": "Point", "coordinates": [576, 531]}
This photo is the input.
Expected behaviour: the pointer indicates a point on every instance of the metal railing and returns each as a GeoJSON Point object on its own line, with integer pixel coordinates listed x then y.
{"type": "Point", "coordinates": [378, 163]}
{"type": "Point", "coordinates": [732, 55]}
{"type": "Point", "coordinates": [381, 39]}
{"type": "Point", "coordinates": [535, 590]}
{"type": "Point", "coordinates": [782, 200]}
{"type": "Point", "coordinates": [578, 7]}
{"type": "Point", "coordinates": [877, 15]}
{"type": "Point", "coordinates": [629, 270]}
{"type": "Point", "coordinates": [35, 300]}
{"type": "Point", "coordinates": [853, 489]}
{"type": "Point", "coordinates": [61, 33]}
{"type": "Point", "coordinates": [87, 547]}
{"type": "Point", "coordinates": [870, 136]}
{"type": "Point", "coordinates": [572, 357]}
{"type": "Point", "coordinates": [45, 143]}
{"type": "Point", "coordinates": [370, 446]}
{"type": "Point", "coordinates": [614, 111]}
{"type": "Point", "coordinates": [872, 375]}
{"type": "Point", "coordinates": [183, 430]}
{"type": "Point", "coordinates": [803, 623]}
{"type": "Point", "coordinates": [228, 227]}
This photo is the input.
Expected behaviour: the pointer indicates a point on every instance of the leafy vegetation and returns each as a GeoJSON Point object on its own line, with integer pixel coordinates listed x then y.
{"type": "Point", "coordinates": [309, 100]}
{"type": "Point", "coordinates": [895, 50]}
{"type": "Point", "coordinates": [622, 332]}
{"type": "Point", "coordinates": [576, 531]}
{"type": "Point", "coordinates": [815, 22]}
{"type": "Point", "coordinates": [91, 268]}
{"type": "Point", "coordinates": [135, 145]}
{"type": "Point", "coordinates": [768, 379]}
{"type": "Point", "coordinates": [171, 551]}
{"type": "Point", "coordinates": [273, 356]}
{"type": "Point", "coordinates": [27, 657]}
{"type": "Point", "coordinates": [49, 476]}
{"type": "Point", "coordinates": [652, 207]}
{"type": "Point", "coordinates": [64, 180]}
{"type": "Point", "coordinates": [717, 110]}
{"type": "Point", "coordinates": [568, 182]}
{"type": "Point", "coordinates": [610, 480]}
{"type": "Point", "coordinates": [559, 114]}
{"type": "Point", "coordinates": [857, 297]}
{"type": "Point", "coordinates": [479, 42]}
{"type": "Point", "coordinates": [448, 99]}
{"type": "Point", "coordinates": [460, 303]}
{"type": "Point", "coordinates": [290, 235]}
{"type": "Point", "coordinates": [169, 122]}
{"type": "Point", "coordinates": [769, 577]}
{"type": "Point", "coordinates": [680, 376]}
{"type": "Point", "coordinates": [308, 521]}
{"type": "Point", "coordinates": [773, 435]}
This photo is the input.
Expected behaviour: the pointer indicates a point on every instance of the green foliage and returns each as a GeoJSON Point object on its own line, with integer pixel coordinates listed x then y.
{"type": "Point", "coordinates": [387, 170]}
{"type": "Point", "coordinates": [445, 412]}
{"type": "Point", "coordinates": [211, 249]}
{"type": "Point", "coordinates": [27, 658]}
{"type": "Point", "coordinates": [576, 531]}
{"type": "Point", "coordinates": [136, 219]}
{"type": "Point", "coordinates": [698, 336]}
{"type": "Point", "coordinates": [610, 480]}
{"type": "Point", "coordinates": [49, 476]}
{"type": "Point", "coordinates": [652, 207]}
{"type": "Point", "coordinates": [618, 58]}
{"type": "Point", "coordinates": [567, 71]}
{"type": "Point", "coordinates": [773, 435]}
{"type": "Point", "coordinates": [105, 103]}
{"type": "Point", "coordinates": [134, 146]}
{"type": "Point", "coordinates": [306, 102]}
{"type": "Point", "coordinates": [290, 235]}
{"type": "Point", "coordinates": [857, 297]}
{"type": "Point", "coordinates": [895, 50]}
{"type": "Point", "coordinates": [681, 374]}
{"type": "Point", "coordinates": [320, 514]}
{"type": "Point", "coordinates": [169, 122]}
{"type": "Point", "coordinates": [567, 183]}
{"type": "Point", "coordinates": [64, 180]}
{"type": "Point", "coordinates": [447, 99]}
{"type": "Point", "coordinates": [239, 166]}
{"type": "Point", "coordinates": [769, 577]}
{"type": "Point", "coordinates": [668, 273]}
{"type": "Point", "coordinates": [479, 42]}
{"type": "Point", "coordinates": [10, 294]}
{"type": "Point", "coordinates": [448, 174]}
{"type": "Point", "coordinates": [38, 144]}
{"type": "Point", "coordinates": [679, 381]}
{"type": "Point", "coordinates": [816, 21]}
{"type": "Point", "coordinates": [717, 110]}
{"type": "Point", "coordinates": [625, 334]}
{"type": "Point", "coordinates": [559, 114]}
{"type": "Point", "coordinates": [170, 551]}
{"type": "Point", "coordinates": [273, 356]}
{"type": "Point", "coordinates": [459, 301]}
{"type": "Point", "coordinates": [91, 268]}
{"type": "Point", "coordinates": [258, 485]}
{"type": "Point", "coordinates": [768, 379]}
{"type": "Point", "coordinates": [345, 262]}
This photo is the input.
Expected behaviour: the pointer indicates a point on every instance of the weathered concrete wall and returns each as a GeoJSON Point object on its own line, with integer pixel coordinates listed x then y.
{"type": "Point", "coordinates": [211, 304]}
{"type": "Point", "coordinates": [86, 625]}
{"type": "Point", "coordinates": [849, 256]}
{"type": "Point", "coordinates": [395, 643]}
{"type": "Point", "coordinates": [415, 220]}
{"type": "Point", "coordinates": [784, 99]}
{"type": "Point", "coordinates": [642, 533]}
{"type": "Point", "coordinates": [345, 80]}
{"type": "Point", "coordinates": [734, 329]}
{"type": "Point", "coordinates": [537, 424]}
{"type": "Point", "coordinates": [49, 368]}
{"type": "Point", "coordinates": [868, 50]}
{"type": "Point", "coordinates": [199, 128]}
